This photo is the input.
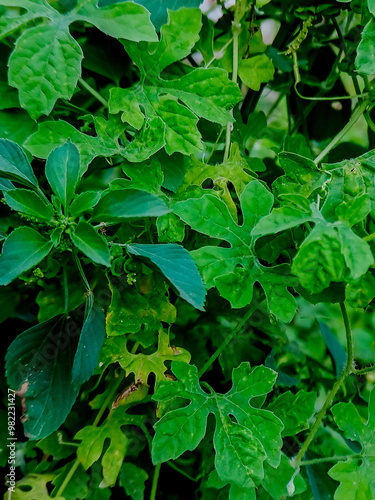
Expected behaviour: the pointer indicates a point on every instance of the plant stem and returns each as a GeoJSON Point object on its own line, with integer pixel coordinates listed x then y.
{"type": "Point", "coordinates": [230, 337]}
{"type": "Point", "coordinates": [363, 371]}
{"type": "Point", "coordinates": [93, 92]}
{"type": "Point", "coordinates": [336, 386]}
{"type": "Point", "coordinates": [80, 269]}
{"type": "Point", "coordinates": [155, 482]}
{"type": "Point", "coordinates": [66, 291]}
{"type": "Point", "coordinates": [370, 237]}
{"type": "Point", "coordinates": [195, 479]}
{"type": "Point", "coordinates": [355, 116]}
{"type": "Point", "coordinates": [330, 459]}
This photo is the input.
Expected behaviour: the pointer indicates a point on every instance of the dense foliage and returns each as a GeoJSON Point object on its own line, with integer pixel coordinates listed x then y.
{"type": "Point", "coordinates": [200, 178]}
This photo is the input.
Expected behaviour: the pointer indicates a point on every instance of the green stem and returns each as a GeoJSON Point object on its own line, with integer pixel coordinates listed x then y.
{"type": "Point", "coordinates": [93, 92]}
{"type": "Point", "coordinates": [230, 337]}
{"type": "Point", "coordinates": [363, 371]}
{"type": "Point", "coordinates": [330, 459]}
{"type": "Point", "coordinates": [66, 291]}
{"type": "Point", "coordinates": [115, 385]}
{"type": "Point", "coordinates": [355, 116]}
{"type": "Point", "coordinates": [155, 482]}
{"type": "Point", "coordinates": [369, 237]}
{"type": "Point", "coordinates": [336, 386]}
{"type": "Point", "coordinates": [195, 479]}
{"type": "Point", "coordinates": [80, 269]}
{"type": "Point", "coordinates": [214, 148]}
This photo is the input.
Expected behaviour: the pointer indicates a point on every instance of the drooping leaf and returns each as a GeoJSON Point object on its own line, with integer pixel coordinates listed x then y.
{"type": "Point", "coordinates": [14, 165]}
{"type": "Point", "coordinates": [242, 444]}
{"type": "Point", "coordinates": [91, 243]}
{"type": "Point", "coordinates": [90, 342]}
{"type": "Point", "coordinates": [177, 265]}
{"type": "Point", "coordinates": [23, 249]}
{"type": "Point", "coordinates": [30, 203]}
{"type": "Point", "coordinates": [38, 365]}
{"type": "Point", "coordinates": [357, 479]}
{"type": "Point", "coordinates": [235, 270]}
{"type": "Point", "coordinates": [126, 203]}
{"type": "Point", "coordinates": [62, 172]}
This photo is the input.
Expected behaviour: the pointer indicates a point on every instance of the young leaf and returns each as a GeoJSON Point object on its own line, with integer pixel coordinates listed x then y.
{"type": "Point", "coordinates": [14, 165]}
{"type": "Point", "coordinates": [91, 243]}
{"type": "Point", "coordinates": [90, 342]}
{"type": "Point", "coordinates": [29, 203]}
{"type": "Point", "coordinates": [62, 172]}
{"type": "Point", "coordinates": [38, 365]}
{"type": "Point", "coordinates": [126, 203]}
{"type": "Point", "coordinates": [84, 202]}
{"type": "Point", "coordinates": [356, 478]}
{"type": "Point", "coordinates": [177, 265]}
{"type": "Point", "coordinates": [23, 249]}
{"type": "Point", "coordinates": [243, 444]}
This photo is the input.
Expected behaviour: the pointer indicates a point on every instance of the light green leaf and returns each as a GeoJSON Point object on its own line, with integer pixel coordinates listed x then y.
{"type": "Point", "coordinates": [276, 481]}
{"type": "Point", "coordinates": [34, 486]}
{"type": "Point", "coordinates": [23, 249]}
{"type": "Point", "coordinates": [361, 292]}
{"type": "Point", "coordinates": [126, 203]}
{"type": "Point", "coordinates": [356, 478]}
{"type": "Point", "coordinates": [39, 363]}
{"type": "Point", "coordinates": [255, 71]}
{"type": "Point", "coordinates": [29, 203]}
{"type": "Point", "coordinates": [170, 228]}
{"type": "Point", "coordinates": [132, 479]}
{"type": "Point", "coordinates": [90, 342]}
{"type": "Point", "coordinates": [91, 243]}
{"type": "Point", "coordinates": [371, 6]}
{"type": "Point", "coordinates": [14, 165]}
{"type": "Point", "coordinates": [44, 50]}
{"type": "Point", "coordinates": [93, 439]}
{"type": "Point", "coordinates": [16, 125]}
{"type": "Point", "coordinates": [84, 202]}
{"type": "Point", "coordinates": [365, 60]}
{"type": "Point", "coordinates": [147, 142]}
{"type": "Point", "coordinates": [177, 265]}
{"type": "Point", "coordinates": [357, 253]}
{"type": "Point", "coordinates": [294, 410]}
{"type": "Point", "coordinates": [62, 172]}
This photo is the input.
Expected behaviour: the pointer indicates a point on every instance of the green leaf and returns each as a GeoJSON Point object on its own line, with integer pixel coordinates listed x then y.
{"type": "Point", "coordinates": [93, 439]}
{"type": "Point", "coordinates": [281, 481]}
{"type": "Point", "coordinates": [132, 479]}
{"type": "Point", "coordinates": [177, 265]}
{"type": "Point", "coordinates": [242, 443]}
{"type": "Point", "coordinates": [205, 93]}
{"type": "Point", "coordinates": [90, 342]}
{"type": "Point", "coordinates": [14, 165]}
{"type": "Point", "coordinates": [127, 203]}
{"type": "Point", "coordinates": [170, 228]}
{"type": "Point", "coordinates": [364, 61]}
{"type": "Point", "coordinates": [159, 8]}
{"type": "Point", "coordinates": [6, 185]}
{"type": "Point", "coordinates": [42, 49]}
{"type": "Point", "coordinates": [294, 410]}
{"type": "Point", "coordinates": [34, 486]}
{"type": "Point", "coordinates": [335, 348]}
{"type": "Point", "coordinates": [51, 299]}
{"type": "Point", "coordinates": [29, 203]}
{"type": "Point", "coordinates": [142, 365]}
{"type": "Point", "coordinates": [361, 292]}
{"type": "Point", "coordinates": [356, 478]}
{"type": "Point", "coordinates": [76, 488]}
{"type": "Point", "coordinates": [23, 249]}
{"type": "Point", "coordinates": [91, 243]}
{"type": "Point", "coordinates": [371, 6]}
{"type": "Point", "coordinates": [62, 172]}
{"type": "Point", "coordinates": [16, 125]}
{"type": "Point", "coordinates": [255, 71]}
{"type": "Point", "coordinates": [235, 270]}
{"type": "Point", "coordinates": [84, 202]}
{"type": "Point", "coordinates": [38, 364]}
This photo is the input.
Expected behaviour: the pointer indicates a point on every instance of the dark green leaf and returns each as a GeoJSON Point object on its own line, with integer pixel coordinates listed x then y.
{"type": "Point", "coordinates": [91, 243]}
{"type": "Point", "coordinates": [29, 203]}
{"type": "Point", "coordinates": [14, 165]}
{"type": "Point", "coordinates": [132, 479]}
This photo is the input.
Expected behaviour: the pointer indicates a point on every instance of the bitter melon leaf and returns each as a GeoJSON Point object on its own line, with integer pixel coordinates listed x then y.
{"type": "Point", "coordinates": [48, 47]}
{"type": "Point", "coordinates": [276, 481]}
{"type": "Point", "coordinates": [39, 364]}
{"type": "Point", "coordinates": [234, 270]}
{"type": "Point", "coordinates": [23, 249]}
{"type": "Point", "coordinates": [356, 478]}
{"type": "Point", "coordinates": [361, 292]}
{"type": "Point", "coordinates": [76, 488]}
{"type": "Point", "coordinates": [130, 310]}
{"type": "Point", "coordinates": [93, 439]}
{"type": "Point", "coordinates": [201, 93]}
{"type": "Point", "coordinates": [34, 9]}
{"type": "Point", "coordinates": [256, 70]}
{"type": "Point", "coordinates": [244, 436]}
{"type": "Point", "coordinates": [365, 60]}
{"type": "Point", "coordinates": [175, 263]}
{"type": "Point", "coordinates": [132, 479]}
{"type": "Point", "coordinates": [142, 365]}
{"type": "Point", "coordinates": [34, 486]}
{"type": "Point", "coordinates": [294, 410]}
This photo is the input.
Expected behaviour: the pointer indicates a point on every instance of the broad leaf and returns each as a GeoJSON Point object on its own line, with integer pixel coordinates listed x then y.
{"type": "Point", "coordinates": [282, 482]}
{"type": "Point", "coordinates": [132, 479]}
{"type": "Point", "coordinates": [255, 71]}
{"type": "Point", "coordinates": [127, 203]}
{"type": "Point", "coordinates": [357, 479]}
{"type": "Point", "coordinates": [14, 165]}
{"type": "Point", "coordinates": [62, 172]}
{"type": "Point", "coordinates": [235, 270]}
{"type": "Point", "coordinates": [38, 365]}
{"type": "Point", "coordinates": [90, 342]}
{"type": "Point", "coordinates": [23, 249]}
{"type": "Point", "coordinates": [294, 410]}
{"type": "Point", "coordinates": [177, 265]}
{"type": "Point", "coordinates": [91, 243]}
{"type": "Point", "coordinates": [241, 443]}
{"type": "Point", "coordinates": [364, 61]}
{"type": "Point", "coordinates": [34, 486]}
{"type": "Point", "coordinates": [84, 202]}
{"type": "Point", "coordinates": [29, 203]}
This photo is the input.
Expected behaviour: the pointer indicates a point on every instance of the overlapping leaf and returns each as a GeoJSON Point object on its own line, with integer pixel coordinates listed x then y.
{"type": "Point", "coordinates": [244, 436]}
{"type": "Point", "coordinates": [235, 270]}
{"type": "Point", "coordinates": [205, 93]}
